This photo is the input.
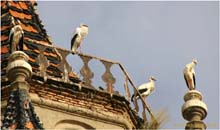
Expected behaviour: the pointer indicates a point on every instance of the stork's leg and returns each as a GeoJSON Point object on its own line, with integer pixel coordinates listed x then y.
{"type": "Point", "coordinates": [13, 47]}
{"type": "Point", "coordinates": [136, 105]}
{"type": "Point", "coordinates": [144, 112]}
{"type": "Point", "coordinates": [80, 49]}
{"type": "Point", "coordinates": [145, 100]}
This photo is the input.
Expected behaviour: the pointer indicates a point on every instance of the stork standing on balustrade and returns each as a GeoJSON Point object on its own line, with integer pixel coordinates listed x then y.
{"type": "Point", "coordinates": [189, 75]}
{"type": "Point", "coordinates": [16, 38]}
{"type": "Point", "coordinates": [80, 33]}
{"type": "Point", "coordinates": [145, 89]}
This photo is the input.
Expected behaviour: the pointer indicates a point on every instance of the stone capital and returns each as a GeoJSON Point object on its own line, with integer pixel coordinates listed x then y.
{"type": "Point", "coordinates": [193, 94]}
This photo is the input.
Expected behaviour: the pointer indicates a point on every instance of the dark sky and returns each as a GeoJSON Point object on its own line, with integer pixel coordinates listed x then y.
{"type": "Point", "coordinates": [148, 38]}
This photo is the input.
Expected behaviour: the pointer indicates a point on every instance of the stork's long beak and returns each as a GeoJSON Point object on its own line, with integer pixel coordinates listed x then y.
{"type": "Point", "coordinates": [153, 79]}
{"type": "Point", "coordinates": [195, 61]}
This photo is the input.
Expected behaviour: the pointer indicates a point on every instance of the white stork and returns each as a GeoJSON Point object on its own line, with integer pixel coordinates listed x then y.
{"type": "Point", "coordinates": [79, 35]}
{"type": "Point", "coordinates": [189, 75]}
{"type": "Point", "coordinates": [16, 38]}
{"type": "Point", "coordinates": [146, 88]}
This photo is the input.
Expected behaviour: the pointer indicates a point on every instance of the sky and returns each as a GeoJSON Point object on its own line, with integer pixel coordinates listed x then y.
{"type": "Point", "coordinates": [148, 38]}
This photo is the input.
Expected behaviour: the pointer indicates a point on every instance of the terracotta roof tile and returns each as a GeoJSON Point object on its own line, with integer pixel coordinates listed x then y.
{"type": "Point", "coordinates": [29, 125]}
{"type": "Point", "coordinates": [4, 27]}
{"type": "Point", "coordinates": [15, 4]}
{"type": "Point", "coordinates": [20, 15]}
{"type": "Point", "coordinates": [29, 28]}
{"type": "Point", "coordinates": [3, 4]}
{"type": "Point", "coordinates": [23, 5]}
{"type": "Point", "coordinates": [4, 49]}
{"type": "Point", "coordinates": [4, 38]}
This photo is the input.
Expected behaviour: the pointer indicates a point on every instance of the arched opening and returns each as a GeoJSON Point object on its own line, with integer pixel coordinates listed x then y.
{"type": "Point", "coordinates": [72, 125]}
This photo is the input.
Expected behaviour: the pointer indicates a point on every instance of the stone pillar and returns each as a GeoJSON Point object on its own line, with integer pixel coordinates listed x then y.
{"type": "Point", "coordinates": [194, 110]}
{"type": "Point", "coordinates": [19, 70]}
{"type": "Point", "coordinates": [19, 113]}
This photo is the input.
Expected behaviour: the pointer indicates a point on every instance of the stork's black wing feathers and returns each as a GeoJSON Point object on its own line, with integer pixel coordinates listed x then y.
{"type": "Point", "coordinates": [186, 81]}
{"type": "Point", "coordinates": [73, 40]}
{"type": "Point", "coordinates": [194, 80]}
{"type": "Point", "coordinates": [10, 41]}
{"type": "Point", "coordinates": [142, 90]}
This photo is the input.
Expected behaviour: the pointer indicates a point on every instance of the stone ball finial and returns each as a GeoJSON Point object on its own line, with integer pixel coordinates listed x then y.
{"type": "Point", "coordinates": [18, 68]}
{"type": "Point", "coordinates": [194, 108]}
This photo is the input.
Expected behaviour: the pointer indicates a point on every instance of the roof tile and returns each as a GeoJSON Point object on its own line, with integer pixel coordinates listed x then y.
{"type": "Point", "coordinates": [22, 5]}
{"type": "Point", "coordinates": [20, 15]}
{"type": "Point", "coordinates": [4, 49]}
{"type": "Point", "coordinates": [3, 37]}
{"type": "Point", "coordinates": [28, 28]}
{"type": "Point", "coordinates": [15, 4]}
{"type": "Point", "coordinates": [5, 27]}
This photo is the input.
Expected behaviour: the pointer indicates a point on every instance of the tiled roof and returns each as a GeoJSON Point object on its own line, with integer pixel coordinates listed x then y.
{"type": "Point", "coordinates": [25, 14]}
{"type": "Point", "coordinates": [20, 113]}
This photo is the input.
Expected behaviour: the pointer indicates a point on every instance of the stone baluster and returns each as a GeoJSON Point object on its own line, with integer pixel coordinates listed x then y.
{"type": "Point", "coordinates": [86, 72]}
{"type": "Point", "coordinates": [64, 67]}
{"type": "Point", "coordinates": [127, 91]}
{"type": "Point", "coordinates": [43, 62]}
{"type": "Point", "coordinates": [194, 110]}
{"type": "Point", "coordinates": [107, 77]}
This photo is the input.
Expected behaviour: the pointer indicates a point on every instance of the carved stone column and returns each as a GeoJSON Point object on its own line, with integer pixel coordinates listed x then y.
{"type": "Point", "coordinates": [19, 113]}
{"type": "Point", "coordinates": [194, 110]}
{"type": "Point", "coordinates": [18, 72]}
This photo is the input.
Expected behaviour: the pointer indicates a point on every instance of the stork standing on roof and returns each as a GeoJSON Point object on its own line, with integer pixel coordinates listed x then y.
{"type": "Point", "coordinates": [16, 38]}
{"type": "Point", "coordinates": [189, 75]}
{"type": "Point", "coordinates": [145, 89]}
{"type": "Point", "coordinates": [79, 35]}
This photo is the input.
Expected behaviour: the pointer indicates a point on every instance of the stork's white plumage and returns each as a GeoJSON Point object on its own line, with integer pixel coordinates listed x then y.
{"type": "Point", "coordinates": [79, 35]}
{"type": "Point", "coordinates": [146, 89]}
{"type": "Point", "coordinates": [16, 38]}
{"type": "Point", "coordinates": [189, 75]}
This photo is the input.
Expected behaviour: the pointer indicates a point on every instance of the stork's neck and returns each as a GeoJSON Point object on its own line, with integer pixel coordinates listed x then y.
{"type": "Point", "coordinates": [190, 65]}
{"type": "Point", "coordinates": [193, 64]}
